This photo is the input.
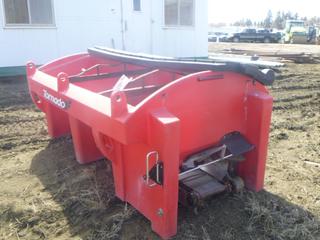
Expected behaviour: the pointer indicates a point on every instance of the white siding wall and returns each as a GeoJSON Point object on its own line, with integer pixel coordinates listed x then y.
{"type": "Point", "coordinates": [148, 28]}
{"type": "Point", "coordinates": [81, 24]}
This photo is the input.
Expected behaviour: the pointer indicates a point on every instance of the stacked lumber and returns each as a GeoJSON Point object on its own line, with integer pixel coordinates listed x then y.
{"type": "Point", "coordinates": [280, 56]}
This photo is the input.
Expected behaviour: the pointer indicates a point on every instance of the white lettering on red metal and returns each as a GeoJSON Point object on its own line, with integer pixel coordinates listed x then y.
{"type": "Point", "coordinates": [55, 100]}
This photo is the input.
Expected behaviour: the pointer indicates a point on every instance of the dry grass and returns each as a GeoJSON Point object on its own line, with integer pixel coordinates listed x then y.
{"type": "Point", "coordinates": [277, 220]}
{"type": "Point", "coordinates": [114, 226]}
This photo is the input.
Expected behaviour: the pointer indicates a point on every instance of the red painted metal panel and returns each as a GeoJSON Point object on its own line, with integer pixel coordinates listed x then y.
{"type": "Point", "coordinates": [258, 123]}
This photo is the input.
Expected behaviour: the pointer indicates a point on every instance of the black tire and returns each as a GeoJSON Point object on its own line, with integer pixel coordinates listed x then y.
{"type": "Point", "coordinates": [267, 40]}
{"type": "Point", "coordinates": [236, 39]}
{"type": "Point", "coordinates": [237, 184]}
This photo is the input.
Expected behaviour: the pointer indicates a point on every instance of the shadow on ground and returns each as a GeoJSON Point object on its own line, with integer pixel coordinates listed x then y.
{"type": "Point", "coordinates": [86, 196]}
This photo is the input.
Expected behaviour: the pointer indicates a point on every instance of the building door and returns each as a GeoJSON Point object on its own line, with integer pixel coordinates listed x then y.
{"type": "Point", "coordinates": [137, 25]}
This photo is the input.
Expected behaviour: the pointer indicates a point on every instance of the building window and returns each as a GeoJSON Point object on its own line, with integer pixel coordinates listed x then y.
{"type": "Point", "coordinates": [137, 5]}
{"type": "Point", "coordinates": [179, 12]}
{"type": "Point", "coordinates": [28, 12]}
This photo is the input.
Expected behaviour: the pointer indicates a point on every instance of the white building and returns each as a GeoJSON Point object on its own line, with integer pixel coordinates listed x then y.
{"type": "Point", "coordinates": [42, 30]}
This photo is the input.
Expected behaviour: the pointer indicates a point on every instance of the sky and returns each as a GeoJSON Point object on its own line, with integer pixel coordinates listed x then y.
{"type": "Point", "coordinates": [229, 11]}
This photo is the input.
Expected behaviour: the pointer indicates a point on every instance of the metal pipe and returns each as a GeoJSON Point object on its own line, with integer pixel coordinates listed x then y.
{"type": "Point", "coordinates": [204, 165]}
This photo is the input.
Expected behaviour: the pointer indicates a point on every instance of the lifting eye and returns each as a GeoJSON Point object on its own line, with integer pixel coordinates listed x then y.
{"type": "Point", "coordinates": [118, 98]}
{"type": "Point", "coordinates": [30, 65]}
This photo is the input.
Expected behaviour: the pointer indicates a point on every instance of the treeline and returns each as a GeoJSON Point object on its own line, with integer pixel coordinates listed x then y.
{"type": "Point", "coordinates": [272, 21]}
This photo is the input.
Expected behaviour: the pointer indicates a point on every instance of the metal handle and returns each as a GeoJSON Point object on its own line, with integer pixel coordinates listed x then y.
{"type": "Point", "coordinates": [147, 179]}
{"type": "Point", "coordinates": [223, 151]}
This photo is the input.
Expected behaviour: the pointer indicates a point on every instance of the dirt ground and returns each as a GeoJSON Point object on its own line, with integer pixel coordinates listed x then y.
{"type": "Point", "coordinates": [45, 194]}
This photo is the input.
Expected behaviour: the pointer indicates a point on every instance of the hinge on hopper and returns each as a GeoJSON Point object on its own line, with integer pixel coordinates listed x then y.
{"type": "Point", "coordinates": [156, 173]}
